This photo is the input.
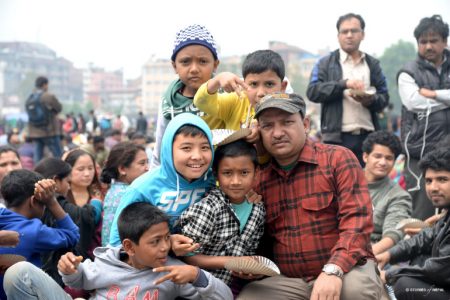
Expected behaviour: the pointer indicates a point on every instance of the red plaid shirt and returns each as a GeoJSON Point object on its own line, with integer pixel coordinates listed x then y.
{"type": "Point", "coordinates": [319, 212]}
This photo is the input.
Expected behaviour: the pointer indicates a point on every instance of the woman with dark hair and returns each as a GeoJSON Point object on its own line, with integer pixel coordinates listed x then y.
{"type": "Point", "coordinates": [125, 162]}
{"type": "Point", "coordinates": [85, 189]}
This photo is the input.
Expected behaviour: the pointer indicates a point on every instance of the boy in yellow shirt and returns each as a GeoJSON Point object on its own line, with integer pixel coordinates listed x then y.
{"type": "Point", "coordinates": [263, 72]}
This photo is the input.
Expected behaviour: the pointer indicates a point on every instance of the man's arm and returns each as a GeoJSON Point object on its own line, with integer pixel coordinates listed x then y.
{"type": "Point", "coordinates": [421, 243]}
{"type": "Point", "coordinates": [381, 99]}
{"type": "Point", "coordinates": [354, 211]}
{"type": "Point", "coordinates": [415, 101]}
{"type": "Point", "coordinates": [399, 208]}
{"type": "Point", "coordinates": [322, 90]}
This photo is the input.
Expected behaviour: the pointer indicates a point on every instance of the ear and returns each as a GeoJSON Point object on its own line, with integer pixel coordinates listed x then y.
{"type": "Point", "coordinates": [121, 170]}
{"type": "Point", "coordinates": [365, 157]}
{"type": "Point", "coordinates": [216, 64]}
{"type": "Point", "coordinates": [174, 66]}
{"type": "Point", "coordinates": [128, 246]}
{"type": "Point", "coordinates": [284, 84]}
{"type": "Point", "coordinates": [307, 124]}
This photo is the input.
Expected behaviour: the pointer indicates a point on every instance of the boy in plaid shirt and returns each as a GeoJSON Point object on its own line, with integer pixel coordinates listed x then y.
{"type": "Point", "coordinates": [225, 223]}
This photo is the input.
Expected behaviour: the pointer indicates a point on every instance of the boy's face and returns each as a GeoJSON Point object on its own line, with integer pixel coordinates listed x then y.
{"type": "Point", "coordinates": [153, 248]}
{"type": "Point", "coordinates": [195, 65]}
{"type": "Point", "coordinates": [63, 185]}
{"type": "Point", "coordinates": [192, 156]}
{"type": "Point", "coordinates": [8, 162]}
{"type": "Point", "coordinates": [262, 84]}
{"type": "Point", "coordinates": [236, 176]}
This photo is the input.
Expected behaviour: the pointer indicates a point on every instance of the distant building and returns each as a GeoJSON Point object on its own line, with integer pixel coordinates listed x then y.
{"type": "Point", "coordinates": [157, 74]}
{"type": "Point", "coordinates": [22, 62]}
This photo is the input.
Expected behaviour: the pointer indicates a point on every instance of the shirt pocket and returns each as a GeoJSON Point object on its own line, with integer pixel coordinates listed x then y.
{"type": "Point", "coordinates": [319, 207]}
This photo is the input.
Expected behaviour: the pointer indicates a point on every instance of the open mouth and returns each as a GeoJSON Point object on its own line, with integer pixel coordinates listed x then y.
{"type": "Point", "coordinates": [195, 166]}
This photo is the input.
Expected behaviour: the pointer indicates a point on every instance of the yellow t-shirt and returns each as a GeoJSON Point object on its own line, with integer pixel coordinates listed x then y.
{"type": "Point", "coordinates": [226, 107]}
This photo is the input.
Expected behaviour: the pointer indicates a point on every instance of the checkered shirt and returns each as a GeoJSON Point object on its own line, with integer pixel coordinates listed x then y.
{"type": "Point", "coordinates": [213, 223]}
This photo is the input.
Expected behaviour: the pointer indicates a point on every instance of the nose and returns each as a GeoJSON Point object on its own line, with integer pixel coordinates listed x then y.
{"type": "Point", "coordinates": [194, 68]}
{"type": "Point", "coordinates": [146, 167]}
{"type": "Point", "coordinates": [261, 92]}
{"type": "Point", "coordinates": [278, 131]}
{"type": "Point", "coordinates": [195, 153]}
{"type": "Point", "coordinates": [235, 180]}
{"type": "Point", "coordinates": [165, 245]}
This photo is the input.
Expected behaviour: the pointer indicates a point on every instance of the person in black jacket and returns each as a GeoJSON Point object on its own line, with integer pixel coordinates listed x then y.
{"type": "Point", "coordinates": [351, 88]}
{"type": "Point", "coordinates": [424, 88]}
{"type": "Point", "coordinates": [431, 280]}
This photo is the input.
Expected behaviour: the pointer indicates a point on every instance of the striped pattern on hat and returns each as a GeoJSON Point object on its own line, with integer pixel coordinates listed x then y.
{"type": "Point", "coordinates": [194, 35]}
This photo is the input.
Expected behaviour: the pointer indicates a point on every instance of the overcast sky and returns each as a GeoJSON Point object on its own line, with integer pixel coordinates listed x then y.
{"type": "Point", "coordinates": [125, 34]}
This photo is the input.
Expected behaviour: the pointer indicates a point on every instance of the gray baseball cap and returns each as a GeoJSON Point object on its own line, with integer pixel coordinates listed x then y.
{"type": "Point", "coordinates": [291, 103]}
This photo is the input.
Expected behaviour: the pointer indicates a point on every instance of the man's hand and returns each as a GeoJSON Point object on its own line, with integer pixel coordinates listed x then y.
{"type": "Point", "coordinates": [430, 221]}
{"type": "Point", "coordinates": [44, 191]}
{"type": "Point", "coordinates": [178, 274]}
{"type": "Point", "coordinates": [383, 276]}
{"type": "Point", "coordinates": [9, 238]}
{"type": "Point", "coordinates": [327, 287]}
{"type": "Point", "coordinates": [229, 82]}
{"type": "Point", "coordinates": [383, 259]}
{"type": "Point", "coordinates": [68, 263]}
{"type": "Point", "coordinates": [427, 93]}
{"type": "Point", "coordinates": [182, 245]}
{"type": "Point", "coordinates": [355, 84]}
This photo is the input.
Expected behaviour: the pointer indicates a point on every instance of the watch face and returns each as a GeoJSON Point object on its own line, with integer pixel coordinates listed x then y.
{"type": "Point", "coordinates": [329, 268]}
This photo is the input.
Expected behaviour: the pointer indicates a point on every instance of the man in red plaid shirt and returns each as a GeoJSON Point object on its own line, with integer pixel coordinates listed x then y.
{"type": "Point", "coordinates": [319, 212]}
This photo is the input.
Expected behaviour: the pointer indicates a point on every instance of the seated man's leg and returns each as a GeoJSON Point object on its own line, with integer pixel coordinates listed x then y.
{"type": "Point", "coordinates": [277, 288]}
{"type": "Point", "coordinates": [412, 288]}
{"type": "Point", "coordinates": [363, 282]}
{"type": "Point", "coordinates": [25, 281]}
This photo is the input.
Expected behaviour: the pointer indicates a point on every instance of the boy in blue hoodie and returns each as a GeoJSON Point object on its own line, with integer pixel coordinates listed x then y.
{"type": "Point", "coordinates": [183, 177]}
{"type": "Point", "coordinates": [27, 194]}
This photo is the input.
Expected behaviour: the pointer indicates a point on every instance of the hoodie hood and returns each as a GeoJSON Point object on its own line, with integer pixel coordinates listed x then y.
{"type": "Point", "coordinates": [163, 186]}
{"type": "Point", "coordinates": [167, 164]}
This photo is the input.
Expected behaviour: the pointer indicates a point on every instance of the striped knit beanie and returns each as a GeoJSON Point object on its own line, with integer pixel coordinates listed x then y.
{"type": "Point", "coordinates": [194, 35]}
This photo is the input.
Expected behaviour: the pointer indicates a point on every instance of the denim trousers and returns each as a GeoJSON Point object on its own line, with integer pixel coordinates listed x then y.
{"type": "Point", "coordinates": [26, 281]}
{"type": "Point", "coordinates": [52, 142]}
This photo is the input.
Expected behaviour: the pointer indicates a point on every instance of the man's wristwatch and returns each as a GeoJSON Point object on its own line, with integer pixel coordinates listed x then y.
{"type": "Point", "coordinates": [332, 269]}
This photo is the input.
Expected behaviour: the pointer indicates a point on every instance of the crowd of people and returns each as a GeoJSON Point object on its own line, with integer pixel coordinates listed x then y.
{"type": "Point", "coordinates": [113, 218]}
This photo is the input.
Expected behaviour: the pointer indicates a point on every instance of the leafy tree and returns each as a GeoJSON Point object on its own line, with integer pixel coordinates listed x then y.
{"type": "Point", "coordinates": [392, 60]}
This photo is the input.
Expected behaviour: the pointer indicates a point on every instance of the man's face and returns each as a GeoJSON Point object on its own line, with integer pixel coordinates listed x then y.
{"type": "Point", "coordinates": [8, 162]}
{"type": "Point", "coordinates": [283, 134]}
{"type": "Point", "coordinates": [350, 35]}
{"type": "Point", "coordinates": [379, 162]}
{"type": "Point", "coordinates": [431, 47]}
{"type": "Point", "coordinates": [437, 185]}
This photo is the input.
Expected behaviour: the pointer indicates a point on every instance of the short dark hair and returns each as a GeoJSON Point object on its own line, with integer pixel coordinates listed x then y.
{"type": "Point", "coordinates": [439, 158]}
{"type": "Point", "coordinates": [235, 149]}
{"type": "Point", "coordinates": [53, 167]}
{"type": "Point", "coordinates": [41, 81]}
{"type": "Point", "coordinates": [98, 139]}
{"type": "Point", "coordinates": [383, 138]}
{"type": "Point", "coordinates": [8, 148]}
{"type": "Point", "coordinates": [122, 154]}
{"type": "Point", "coordinates": [350, 16]}
{"type": "Point", "coordinates": [431, 24]}
{"type": "Point", "coordinates": [190, 130]}
{"type": "Point", "coordinates": [18, 186]}
{"type": "Point", "coordinates": [138, 135]}
{"type": "Point", "coordinates": [137, 218]}
{"type": "Point", "coordinates": [261, 61]}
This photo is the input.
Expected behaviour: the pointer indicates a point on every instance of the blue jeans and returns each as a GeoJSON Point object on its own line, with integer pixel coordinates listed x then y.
{"type": "Point", "coordinates": [52, 142]}
{"type": "Point", "coordinates": [25, 281]}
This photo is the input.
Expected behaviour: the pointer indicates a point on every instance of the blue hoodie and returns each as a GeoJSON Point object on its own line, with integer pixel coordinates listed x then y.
{"type": "Point", "coordinates": [163, 186]}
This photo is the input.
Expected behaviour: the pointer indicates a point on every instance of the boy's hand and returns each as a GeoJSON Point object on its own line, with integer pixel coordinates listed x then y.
{"type": "Point", "coordinates": [253, 137]}
{"type": "Point", "coordinates": [68, 263]}
{"type": "Point", "coordinates": [253, 197]}
{"type": "Point", "coordinates": [9, 238]}
{"type": "Point", "coordinates": [44, 191]}
{"type": "Point", "coordinates": [178, 274]}
{"type": "Point", "coordinates": [246, 276]}
{"type": "Point", "coordinates": [229, 82]}
{"type": "Point", "coordinates": [182, 245]}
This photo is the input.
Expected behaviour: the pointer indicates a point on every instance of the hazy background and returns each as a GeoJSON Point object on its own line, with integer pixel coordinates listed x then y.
{"type": "Point", "coordinates": [125, 34]}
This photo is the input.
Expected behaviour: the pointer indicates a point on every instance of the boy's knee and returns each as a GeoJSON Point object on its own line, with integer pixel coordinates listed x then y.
{"type": "Point", "coordinates": [17, 272]}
